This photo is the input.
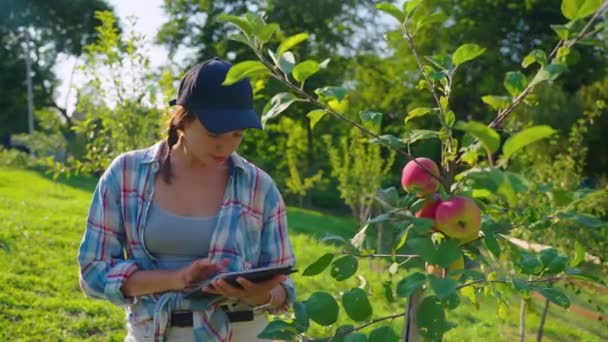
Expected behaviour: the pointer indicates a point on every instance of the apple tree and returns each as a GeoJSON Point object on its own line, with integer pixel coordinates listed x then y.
{"type": "Point", "coordinates": [461, 207]}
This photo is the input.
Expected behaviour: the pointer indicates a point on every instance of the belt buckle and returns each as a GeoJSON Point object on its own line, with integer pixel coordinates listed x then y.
{"type": "Point", "coordinates": [181, 318]}
{"type": "Point", "coordinates": [238, 315]}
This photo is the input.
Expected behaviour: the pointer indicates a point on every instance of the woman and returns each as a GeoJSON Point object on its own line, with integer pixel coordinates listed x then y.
{"type": "Point", "coordinates": [177, 213]}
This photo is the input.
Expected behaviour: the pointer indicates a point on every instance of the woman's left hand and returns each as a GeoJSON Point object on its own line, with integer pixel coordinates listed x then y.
{"type": "Point", "coordinates": [251, 293]}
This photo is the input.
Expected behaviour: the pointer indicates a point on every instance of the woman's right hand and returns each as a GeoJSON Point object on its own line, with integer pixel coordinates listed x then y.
{"type": "Point", "coordinates": [197, 271]}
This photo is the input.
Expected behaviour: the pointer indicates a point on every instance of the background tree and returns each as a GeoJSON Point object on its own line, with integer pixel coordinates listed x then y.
{"type": "Point", "coordinates": [55, 27]}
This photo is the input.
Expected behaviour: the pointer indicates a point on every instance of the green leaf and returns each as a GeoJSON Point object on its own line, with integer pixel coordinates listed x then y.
{"type": "Point", "coordinates": [356, 337]}
{"type": "Point", "coordinates": [524, 138]}
{"type": "Point", "coordinates": [521, 287]}
{"type": "Point", "coordinates": [319, 265]}
{"type": "Point", "coordinates": [331, 92]}
{"type": "Point", "coordinates": [391, 10]}
{"type": "Point", "coordinates": [390, 140]}
{"type": "Point", "coordinates": [536, 56]}
{"type": "Point", "coordinates": [442, 61]}
{"type": "Point", "coordinates": [302, 321]}
{"type": "Point", "coordinates": [582, 219]}
{"type": "Point", "coordinates": [554, 295]}
{"type": "Point", "coordinates": [286, 62]}
{"type": "Point", "coordinates": [562, 31]}
{"type": "Point", "coordinates": [497, 102]}
{"type": "Point", "coordinates": [548, 73]}
{"type": "Point", "coordinates": [443, 255]}
{"type": "Point", "coordinates": [277, 105]}
{"type": "Point", "coordinates": [422, 225]}
{"type": "Point", "coordinates": [578, 274]}
{"type": "Point", "coordinates": [470, 293]}
{"type": "Point", "coordinates": [322, 308]}
{"type": "Point", "coordinates": [358, 239]}
{"type": "Point", "coordinates": [383, 334]}
{"type": "Point", "coordinates": [553, 261]}
{"type": "Point", "coordinates": [279, 329]}
{"type": "Point", "coordinates": [515, 82]}
{"type": "Point", "coordinates": [466, 52]}
{"type": "Point", "coordinates": [410, 284]}
{"type": "Point", "coordinates": [410, 5]}
{"type": "Point", "coordinates": [528, 263]}
{"type": "Point", "coordinates": [450, 118]}
{"type": "Point", "coordinates": [431, 319]}
{"type": "Point", "coordinates": [344, 268]}
{"type": "Point", "coordinates": [430, 19]}
{"type": "Point", "coordinates": [577, 9]}
{"type": "Point", "coordinates": [304, 70]}
{"type": "Point", "coordinates": [266, 32]}
{"type": "Point", "coordinates": [492, 245]}
{"type": "Point", "coordinates": [290, 42]}
{"type": "Point", "coordinates": [315, 115]}
{"type": "Point", "coordinates": [579, 254]}
{"type": "Point", "coordinates": [443, 287]}
{"type": "Point", "coordinates": [242, 23]}
{"type": "Point", "coordinates": [412, 136]}
{"type": "Point", "coordinates": [371, 119]}
{"type": "Point", "coordinates": [356, 304]}
{"type": "Point", "coordinates": [242, 70]}
{"type": "Point", "coordinates": [241, 38]}
{"type": "Point", "coordinates": [486, 135]}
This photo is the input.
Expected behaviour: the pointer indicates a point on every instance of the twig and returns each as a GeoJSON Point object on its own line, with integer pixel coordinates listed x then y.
{"type": "Point", "coordinates": [408, 256]}
{"type": "Point", "coordinates": [522, 320]}
{"type": "Point", "coordinates": [546, 280]}
{"type": "Point", "coordinates": [539, 337]}
{"type": "Point", "coordinates": [363, 326]}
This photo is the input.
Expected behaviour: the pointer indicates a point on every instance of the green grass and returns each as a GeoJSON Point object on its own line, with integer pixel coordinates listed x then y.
{"type": "Point", "coordinates": [41, 224]}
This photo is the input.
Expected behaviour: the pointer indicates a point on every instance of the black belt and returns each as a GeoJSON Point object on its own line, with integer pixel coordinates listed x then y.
{"type": "Point", "coordinates": [184, 318]}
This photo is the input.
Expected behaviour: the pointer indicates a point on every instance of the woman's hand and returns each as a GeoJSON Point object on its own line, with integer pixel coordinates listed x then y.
{"type": "Point", "coordinates": [251, 293]}
{"type": "Point", "coordinates": [197, 271]}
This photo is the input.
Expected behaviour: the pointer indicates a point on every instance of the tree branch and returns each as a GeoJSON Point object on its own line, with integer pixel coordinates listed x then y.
{"type": "Point", "coordinates": [546, 280]}
{"type": "Point", "coordinates": [278, 75]}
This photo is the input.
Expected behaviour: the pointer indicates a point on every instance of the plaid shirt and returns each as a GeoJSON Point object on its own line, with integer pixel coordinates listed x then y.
{"type": "Point", "coordinates": [251, 232]}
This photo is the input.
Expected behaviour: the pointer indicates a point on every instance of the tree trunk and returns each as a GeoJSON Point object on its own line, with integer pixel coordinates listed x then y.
{"type": "Point", "coordinates": [410, 329]}
{"type": "Point", "coordinates": [539, 337]}
{"type": "Point", "coordinates": [522, 321]}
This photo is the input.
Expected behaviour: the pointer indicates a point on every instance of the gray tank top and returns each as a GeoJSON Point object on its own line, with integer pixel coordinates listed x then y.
{"type": "Point", "coordinates": [177, 240]}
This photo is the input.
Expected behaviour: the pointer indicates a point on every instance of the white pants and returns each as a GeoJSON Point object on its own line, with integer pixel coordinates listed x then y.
{"type": "Point", "coordinates": [242, 331]}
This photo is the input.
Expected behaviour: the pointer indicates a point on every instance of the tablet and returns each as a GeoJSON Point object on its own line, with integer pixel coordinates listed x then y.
{"type": "Point", "coordinates": [255, 275]}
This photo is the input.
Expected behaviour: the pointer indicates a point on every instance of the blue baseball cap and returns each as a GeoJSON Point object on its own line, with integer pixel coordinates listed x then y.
{"type": "Point", "coordinates": [219, 108]}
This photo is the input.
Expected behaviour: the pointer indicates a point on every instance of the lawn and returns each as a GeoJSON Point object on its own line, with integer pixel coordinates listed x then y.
{"type": "Point", "coordinates": [41, 224]}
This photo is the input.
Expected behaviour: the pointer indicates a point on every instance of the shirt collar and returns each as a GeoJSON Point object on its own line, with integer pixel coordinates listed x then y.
{"type": "Point", "coordinates": [153, 154]}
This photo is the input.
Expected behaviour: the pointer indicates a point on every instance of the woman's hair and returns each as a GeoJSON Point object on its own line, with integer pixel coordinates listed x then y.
{"type": "Point", "coordinates": [180, 117]}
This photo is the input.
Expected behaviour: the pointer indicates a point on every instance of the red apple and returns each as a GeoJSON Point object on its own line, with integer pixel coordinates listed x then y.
{"type": "Point", "coordinates": [415, 178]}
{"type": "Point", "coordinates": [459, 217]}
{"type": "Point", "coordinates": [429, 207]}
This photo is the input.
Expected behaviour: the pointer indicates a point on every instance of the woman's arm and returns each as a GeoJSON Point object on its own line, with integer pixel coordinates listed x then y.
{"type": "Point", "coordinates": [146, 282]}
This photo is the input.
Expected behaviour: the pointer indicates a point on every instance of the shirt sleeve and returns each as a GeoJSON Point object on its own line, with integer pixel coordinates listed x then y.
{"type": "Point", "coordinates": [275, 243]}
{"type": "Point", "coordinates": [101, 256]}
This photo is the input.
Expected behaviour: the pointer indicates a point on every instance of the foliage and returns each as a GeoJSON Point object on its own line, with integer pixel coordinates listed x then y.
{"type": "Point", "coordinates": [359, 168]}
{"type": "Point", "coordinates": [296, 184]}
{"type": "Point", "coordinates": [55, 28]}
{"type": "Point", "coordinates": [118, 102]}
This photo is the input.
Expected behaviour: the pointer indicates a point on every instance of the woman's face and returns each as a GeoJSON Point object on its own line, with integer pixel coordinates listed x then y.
{"type": "Point", "coordinates": [208, 148]}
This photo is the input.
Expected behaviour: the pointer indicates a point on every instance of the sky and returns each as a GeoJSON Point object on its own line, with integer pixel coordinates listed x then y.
{"type": "Point", "coordinates": [150, 17]}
